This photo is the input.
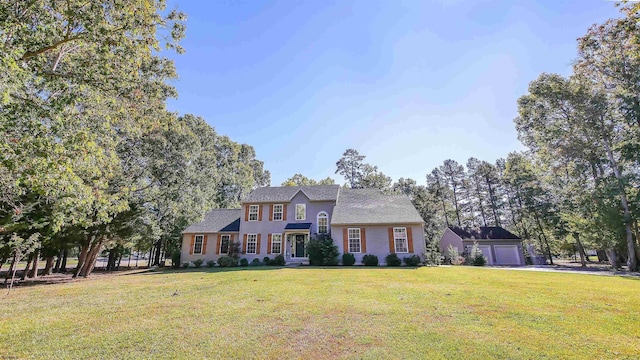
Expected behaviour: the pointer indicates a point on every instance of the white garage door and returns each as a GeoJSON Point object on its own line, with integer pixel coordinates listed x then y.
{"type": "Point", "coordinates": [507, 255]}
{"type": "Point", "coordinates": [486, 251]}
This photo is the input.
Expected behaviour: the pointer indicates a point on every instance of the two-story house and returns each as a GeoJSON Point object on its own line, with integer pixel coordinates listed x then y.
{"type": "Point", "coordinates": [281, 220]}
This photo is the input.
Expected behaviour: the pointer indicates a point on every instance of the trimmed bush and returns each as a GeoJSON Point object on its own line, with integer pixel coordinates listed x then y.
{"type": "Point", "coordinates": [267, 261]}
{"type": "Point", "coordinates": [175, 258]}
{"type": "Point", "coordinates": [393, 260]}
{"type": "Point", "coordinates": [198, 263]}
{"type": "Point", "coordinates": [413, 260]}
{"type": "Point", "coordinates": [476, 257]}
{"type": "Point", "coordinates": [227, 261]}
{"type": "Point", "coordinates": [348, 259]}
{"type": "Point", "coordinates": [185, 264]}
{"type": "Point", "coordinates": [322, 251]}
{"type": "Point", "coordinates": [370, 260]}
{"type": "Point", "coordinates": [255, 262]}
{"type": "Point", "coordinates": [244, 262]}
{"type": "Point", "coordinates": [211, 263]}
{"type": "Point", "coordinates": [278, 260]}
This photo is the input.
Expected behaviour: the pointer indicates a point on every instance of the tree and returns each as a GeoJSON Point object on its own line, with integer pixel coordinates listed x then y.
{"type": "Point", "coordinates": [350, 166]}
{"type": "Point", "coordinates": [301, 180]}
{"type": "Point", "coordinates": [453, 174]}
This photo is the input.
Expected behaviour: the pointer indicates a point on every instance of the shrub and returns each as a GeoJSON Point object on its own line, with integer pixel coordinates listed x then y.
{"type": "Point", "coordinates": [244, 262]}
{"type": "Point", "coordinates": [198, 263]}
{"type": "Point", "coordinates": [185, 264]}
{"type": "Point", "coordinates": [235, 249]}
{"type": "Point", "coordinates": [413, 260]}
{"type": "Point", "coordinates": [255, 262]}
{"type": "Point", "coordinates": [227, 261]}
{"type": "Point", "coordinates": [211, 263]}
{"type": "Point", "coordinates": [452, 254]}
{"type": "Point", "coordinates": [322, 251]}
{"type": "Point", "coordinates": [348, 259]}
{"type": "Point", "coordinates": [393, 260]}
{"type": "Point", "coordinates": [476, 258]}
{"type": "Point", "coordinates": [278, 260]}
{"type": "Point", "coordinates": [267, 261]}
{"type": "Point", "coordinates": [175, 258]}
{"type": "Point", "coordinates": [370, 260]}
{"type": "Point", "coordinates": [432, 256]}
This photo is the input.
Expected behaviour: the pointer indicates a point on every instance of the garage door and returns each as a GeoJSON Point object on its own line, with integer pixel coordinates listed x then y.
{"type": "Point", "coordinates": [486, 251]}
{"type": "Point", "coordinates": [507, 255]}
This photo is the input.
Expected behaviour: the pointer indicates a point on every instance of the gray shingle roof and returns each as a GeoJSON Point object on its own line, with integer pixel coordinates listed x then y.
{"type": "Point", "coordinates": [484, 233]}
{"type": "Point", "coordinates": [371, 206]}
{"type": "Point", "coordinates": [286, 193]}
{"type": "Point", "coordinates": [217, 220]}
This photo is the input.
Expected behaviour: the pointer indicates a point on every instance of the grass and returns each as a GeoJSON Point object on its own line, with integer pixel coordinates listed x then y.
{"type": "Point", "coordinates": [446, 312]}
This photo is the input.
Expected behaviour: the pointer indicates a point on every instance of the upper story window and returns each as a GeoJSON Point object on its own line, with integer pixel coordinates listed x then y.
{"type": "Point", "coordinates": [197, 245]}
{"type": "Point", "coordinates": [400, 239]}
{"type": "Point", "coordinates": [225, 240]}
{"type": "Point", "coordinates": [354, 240]}
{"type": "Point", "coordinates": [323, 223]}
{"type": "Point", "coordinates": [301, 211]}
{"type": "Point", "coordinates": [277, 212]}
{"type": "Point", "coordinates": [253, 212]}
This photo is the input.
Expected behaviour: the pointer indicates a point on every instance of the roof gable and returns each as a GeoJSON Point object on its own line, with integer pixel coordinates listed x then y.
{"type": "Point", "coordinates": [484, 233]}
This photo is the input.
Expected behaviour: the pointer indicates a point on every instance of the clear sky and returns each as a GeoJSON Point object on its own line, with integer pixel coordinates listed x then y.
{"type": "Point", "coordinates": [406, 83]}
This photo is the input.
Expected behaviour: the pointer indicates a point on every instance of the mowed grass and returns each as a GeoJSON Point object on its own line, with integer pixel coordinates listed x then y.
{"type": "Point", "coordinates": [445, 312]}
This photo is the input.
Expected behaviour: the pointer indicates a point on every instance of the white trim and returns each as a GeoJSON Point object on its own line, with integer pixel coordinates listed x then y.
{"type": "Point", "coordinates": [273, 215]}
{"type": "Point", "coordinates": [305, 212]}
{"type": "Point", "coordinates": [359, 241]}
{"type": "Point", "coordinates": [257, 212]}
{"type": "Point", "coordinates": [318, 221]}
{"type": "Point", "coordinates": [272, 242]}
{"type": "Point", "coordinates": [248, 240]}
{"type": "Point", "coordinates": [222, 241]}
{"type": "Point", "coordinates": [406, 239]}
{"type": "Point", "coordinates": [195, 240]}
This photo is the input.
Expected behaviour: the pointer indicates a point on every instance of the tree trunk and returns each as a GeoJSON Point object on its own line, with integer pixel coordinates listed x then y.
{"type": "Point", "coordinates": [150, 256]}
{"type": "Point", "coordinates": [63, 264]}
{"type": "Point", "coordinates": [26, 269]}
{"type": "Point", "coordinates": [56, 268]}
{"type": "Point", "coordinates": [580, 249]}
{"type": "Point", "coordinates": [613, 259]}
{"type": "Point", "coordinates": [492, 197]}
{"type": "Point", "coordinates": [82, 257]}
{"type": "Point", "coordinates": [544, 236]}
{"type": "Point", "coordinates": [34, 269]}
{"type": "Point", "coordinates": [111, 261]}
{"type": "Point", "coordinates": [12, 269]}
{"type": "Point", "coordinates": [49, 266]}
{"type": "Point", "coordinates": [90, 262]}
{"type": "Point", "coordinates": [156, 260]}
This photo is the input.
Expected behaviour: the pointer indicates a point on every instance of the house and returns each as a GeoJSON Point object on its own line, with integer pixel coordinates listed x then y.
{"type": "Point", "coordinates": [498, 245]}
{"type": "Point", "coordinates": [281, 220]}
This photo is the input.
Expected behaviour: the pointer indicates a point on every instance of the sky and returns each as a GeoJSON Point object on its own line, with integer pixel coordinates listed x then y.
{"type": "Point", "coordinates": [406, 83]}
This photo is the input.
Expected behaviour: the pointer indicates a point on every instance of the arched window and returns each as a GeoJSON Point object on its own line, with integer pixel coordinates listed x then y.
{"type": "Point", "coordinates": [323, 222]}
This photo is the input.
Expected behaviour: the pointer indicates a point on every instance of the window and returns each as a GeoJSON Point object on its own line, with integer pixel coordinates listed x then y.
{"type": "Point", "coordinates": [277, 212]}
{"type": "Point", "coordinates": [224, 244]}
{"type": "Point", "coordinates": [197, 245]}
{"type": "Point", "coordinates": [354, 240]}
{"type": "Point", "coordinates": [301, 211]}
{"type": "Point", "coordinates": [400, 239]}
{"type": "Point", "coordinates": [323, 223]}
{"type": "Point", "coordinates": [276, 243]}
{"type": "Point", "coordinates": [253, 212]}
{"type": "Point", "coordinates": [252, 241]}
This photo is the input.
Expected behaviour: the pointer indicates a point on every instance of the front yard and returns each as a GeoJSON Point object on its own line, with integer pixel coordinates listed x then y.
{"type": "Point", "coordinates": [305, 312]}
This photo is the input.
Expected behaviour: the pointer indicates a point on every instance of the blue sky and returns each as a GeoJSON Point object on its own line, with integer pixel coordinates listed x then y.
{"type": "Point", "coordinates": [406, 83]}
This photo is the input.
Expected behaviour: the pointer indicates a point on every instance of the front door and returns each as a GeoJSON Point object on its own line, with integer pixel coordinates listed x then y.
{"type": "Point", "coordinates": [299, 246]}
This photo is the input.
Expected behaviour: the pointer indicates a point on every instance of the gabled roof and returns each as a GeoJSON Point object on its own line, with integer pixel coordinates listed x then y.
{"type": "Point", "coordinates": [286, 193]}
{"type": "Point", "coordinates": [484, 233]}
{"type": "Point", "coordinates": [217, 220]}
{"type": "Point", "coordinates": [371, 206]}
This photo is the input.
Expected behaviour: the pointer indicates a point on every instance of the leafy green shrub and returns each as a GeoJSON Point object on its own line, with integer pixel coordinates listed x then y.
{"type": "Point", "coordinates": [432, 256]}
{"type": "Point", "coordinates": [244, 262]}
{"type": "Point", "coordinates": [175, 258]}
{"type": "Point", "coordinates": [278, 260]}
{"type": "Point", "coordinates": [322, 251]}
{"type": "Point", "coordinates": [476, 258]}
{"type": "Point", "coordinates": [393, 260]}
{"type": "Point", "coordinates": [211, 263]}
{"type": "Point", "coordinates": [185, 264]}
{"type": "Point", "coordinates": [267, 261]}
{"type": "Point", "coordinates": [453, 257]}
{"type": "Point", "coordinates": [255, 262]}
{"type": "Point", "coordinates": [348, 259]}
{"type": "Point", "coordinates": [370, 260]}
{"type": "Point", "coordinates": [197, 263]}
{"type": "Point", "coordinates": [227, 261]}
{"type": "Point", "coordinates": [413, 260]}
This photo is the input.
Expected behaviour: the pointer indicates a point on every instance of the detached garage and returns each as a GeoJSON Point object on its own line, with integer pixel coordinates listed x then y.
{"type": "Point", "coordinates": [498, 245]}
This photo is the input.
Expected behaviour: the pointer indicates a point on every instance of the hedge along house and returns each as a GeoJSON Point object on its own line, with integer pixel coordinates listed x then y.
{"type": "Point", "coordinates": [498, 245]}
{"type": "Point", "coordinates": [281, 220]}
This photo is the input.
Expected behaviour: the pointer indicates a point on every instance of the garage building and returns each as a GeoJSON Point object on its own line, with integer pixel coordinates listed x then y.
{"type": "Point", "coordinates": [498, 245]}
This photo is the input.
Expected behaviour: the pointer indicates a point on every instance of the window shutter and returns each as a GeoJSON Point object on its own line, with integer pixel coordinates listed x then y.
{"type": "Point", "coordinates": [392, 248]}
{"type": "Point", "coordinates": [284, 212]}
{"type": "Point", "coordinates": [244, 244]}
{"type": "Point", "coordinates": [258, 244]}
{"type": "Point", "coordinates": [260, 212]}
{"type": "Point", "coordinates": [193, 241]}
{"type": "Point", "coordinates": [363, 240]}
{"type": "Point", "coordinates": [271, 212]}
{"type": "Point", "coordinates": [246, 213]}
{"type": "Point", "coordinates": [345, 240]}
{"type": "Point", "coordinates": [204, 245]}
{"type": "Point", "coordinates": [218, 244]}
{"type": "Point", "coordinates": [409, 239]}
{"type": "Point", "coordinates": [269, 241]}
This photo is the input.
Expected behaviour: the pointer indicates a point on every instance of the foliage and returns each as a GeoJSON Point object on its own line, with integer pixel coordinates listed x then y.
{"type": "Point", "coordinates": [211, 263]}
{"type": "Point", "coordinates": [255, 262]}
{"type": "Point", "coordinates": [227, 261]}
{"type": "Point", "coordinates": [175, 258]}
{"type": "Point", "coordinates": [198, 263]}
{"type": "Point", "coordinates": [476, 258]}
{"type": "Point", "coordinates": [301, 180]}
{"type": "Point", "coordinates": [348, 259]}
{"type": "Point", "coordinates": [432, 256]}
{"type": "Point", "coordinates": [322, 251]}
{"type": "Point", "coordinates": [370, 260]}
{"type": "Point", "coordinates": [414, 260]}
{"type": "Point", "coordinates": [393, 260]}
{"type": "Point", "coordinates": [266, 260]}
{"type": "Point", "coordinates": [244, 262]}
{"type": "Point", "coordinates": [186, 264]}
{"type": "Point", "coordinates": [278, 260]}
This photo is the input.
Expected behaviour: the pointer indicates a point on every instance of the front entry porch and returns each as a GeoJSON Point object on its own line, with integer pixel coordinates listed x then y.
{"type": "Point", "coordinates": [296, 239]}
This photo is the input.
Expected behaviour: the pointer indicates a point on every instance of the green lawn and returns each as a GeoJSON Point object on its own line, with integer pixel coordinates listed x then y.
{"type": "Point", "coordinates": [445, 312]}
